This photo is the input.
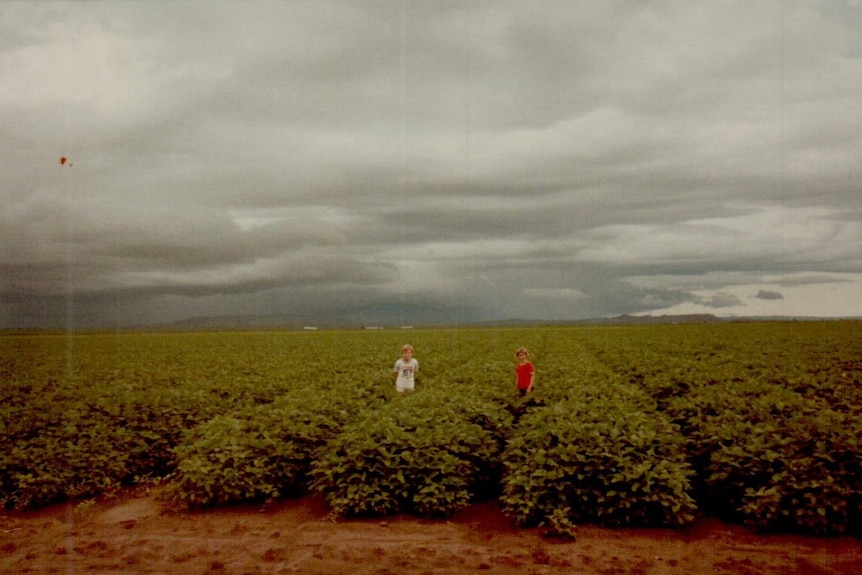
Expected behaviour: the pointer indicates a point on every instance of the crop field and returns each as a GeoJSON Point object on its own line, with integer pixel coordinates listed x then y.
{"type": "Point", "coordinates": [758, 424]}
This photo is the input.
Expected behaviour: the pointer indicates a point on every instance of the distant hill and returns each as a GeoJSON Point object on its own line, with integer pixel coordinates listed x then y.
{"type": "Point", "coordinates": [624, 319]}
{"type": "Point", "coordinates": [251, 322]}
{"type": "Point", "coordinates": [232, 322]}
{"type": "Point", "coordinates": [627, 319]}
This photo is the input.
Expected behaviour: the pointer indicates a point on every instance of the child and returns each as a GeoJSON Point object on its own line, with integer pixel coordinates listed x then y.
{"type": "Point", "coordinates": [405, 370]}
{"type": "Point", "coordinates": [524, 373]}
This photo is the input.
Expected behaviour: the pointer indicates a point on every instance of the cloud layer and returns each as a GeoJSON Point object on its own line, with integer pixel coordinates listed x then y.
{"type": "Point", "coordinates": [420, 161]}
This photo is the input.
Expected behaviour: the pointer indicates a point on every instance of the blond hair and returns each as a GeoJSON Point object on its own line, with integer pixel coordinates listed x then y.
{"type": "Point", "coordinates": [523, 350]}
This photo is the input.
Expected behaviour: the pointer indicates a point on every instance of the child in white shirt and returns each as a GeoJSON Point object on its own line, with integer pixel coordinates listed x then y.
{"type": "Point", "coordinates": [405, 370]}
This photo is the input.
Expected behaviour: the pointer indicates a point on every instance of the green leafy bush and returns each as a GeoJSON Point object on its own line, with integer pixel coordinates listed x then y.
{"type": "Point", "coordinates": [800, 472]}
{"type": "Point", "coordinates": [602, 459]}
{"type": "Point", "coordinates": [86, 414]}
{"type": "Point", "coordinates": [260, 452]}
{"type": "Point", "coordinates": [773, 458]}
{"type": "Point", "coordinates": [73, 446]}
{"type": "Point", "coordinates": [428, 453]}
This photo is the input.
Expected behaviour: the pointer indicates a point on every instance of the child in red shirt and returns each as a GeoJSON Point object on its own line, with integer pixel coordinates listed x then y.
{"type": "Point", "coordinates": [524, 372]}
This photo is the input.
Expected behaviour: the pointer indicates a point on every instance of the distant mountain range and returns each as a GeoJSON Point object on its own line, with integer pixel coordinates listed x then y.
{"type": "Point", "coordinates": [240, 322]}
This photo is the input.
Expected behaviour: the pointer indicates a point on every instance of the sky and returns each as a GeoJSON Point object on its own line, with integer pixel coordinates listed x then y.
{"type": "Point", "coordinates": [404, 162]}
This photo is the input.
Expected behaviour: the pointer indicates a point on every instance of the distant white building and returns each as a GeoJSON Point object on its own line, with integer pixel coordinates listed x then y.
{"type": "Point", "coordinates": [310, 327]}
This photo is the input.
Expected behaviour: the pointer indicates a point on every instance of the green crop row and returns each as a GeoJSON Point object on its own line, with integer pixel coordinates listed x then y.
{"type": "Point", "coordinates": [431, 453]}
{"type": "Point", "coordinates": [771, 413]}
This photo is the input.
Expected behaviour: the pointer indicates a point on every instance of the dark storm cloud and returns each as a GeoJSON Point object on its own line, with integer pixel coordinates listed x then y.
{"type": "Point", "coordinates": [770, 295]}
{"type": "Point", "coordinates": [464, 160]}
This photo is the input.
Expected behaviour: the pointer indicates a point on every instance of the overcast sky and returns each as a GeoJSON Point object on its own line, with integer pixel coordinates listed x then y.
{"type": "Point", "coordinates": [429, 161]}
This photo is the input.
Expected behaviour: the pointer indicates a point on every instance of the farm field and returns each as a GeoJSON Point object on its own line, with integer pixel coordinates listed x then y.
{"type": "Point", "coordinates": [739, 439]}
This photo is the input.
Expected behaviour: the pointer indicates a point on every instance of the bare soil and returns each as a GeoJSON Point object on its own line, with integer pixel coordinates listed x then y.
{"type": "Point", "coordinates": [136, 533]}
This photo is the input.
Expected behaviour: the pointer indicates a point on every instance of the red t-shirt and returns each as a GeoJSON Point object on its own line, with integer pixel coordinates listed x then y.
{"type": "Point", "coordinates": [525, 372]}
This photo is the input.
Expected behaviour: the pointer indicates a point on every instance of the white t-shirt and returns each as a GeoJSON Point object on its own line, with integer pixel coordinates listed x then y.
{"type": "Point", "coordinates": [405, 372]}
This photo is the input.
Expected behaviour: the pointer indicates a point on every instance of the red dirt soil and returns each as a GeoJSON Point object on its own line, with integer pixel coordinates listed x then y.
{"type": "Point", "coordinates": [136, 533]}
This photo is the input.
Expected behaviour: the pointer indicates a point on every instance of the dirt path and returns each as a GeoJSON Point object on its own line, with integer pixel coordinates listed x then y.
{"type": "Point", "coordinates": [135, 534]}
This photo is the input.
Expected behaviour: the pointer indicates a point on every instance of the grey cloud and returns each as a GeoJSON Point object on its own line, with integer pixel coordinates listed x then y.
{"type": "Point", "coordinates": [808, 278]}
{"type": "Point", "coordinates": [769, 295]}
{"type": "Point", "coordinates": [720, 300]}
{"type": "Point", "coordinates": [470, 160]}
